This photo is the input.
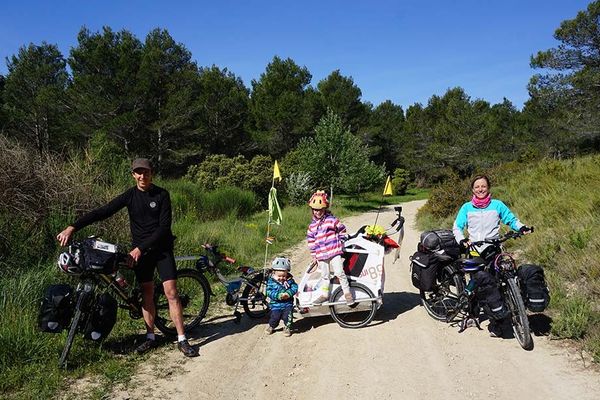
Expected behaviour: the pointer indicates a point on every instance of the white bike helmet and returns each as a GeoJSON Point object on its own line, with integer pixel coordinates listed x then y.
{"type": "Point", "coordinates": [281, 264]}
{"type": "Point", "coordinates": [67, 264]}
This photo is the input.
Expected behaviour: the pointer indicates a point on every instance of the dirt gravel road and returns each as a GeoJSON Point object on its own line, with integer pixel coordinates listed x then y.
{"type": "Point", "coordinates": [402, 354]}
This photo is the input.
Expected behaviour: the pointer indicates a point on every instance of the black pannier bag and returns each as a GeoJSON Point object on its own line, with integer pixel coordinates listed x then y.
{"type": "Point", "coordinates": [99, 256]}
{"type": "Point", "coordinates": [102, 318]}
{"type": "Point", "coordinates": [533, 287]}
{"type": "Point", "coordinates": [56, 308]}
{"type": "Point", "coordinates": [440, 242]}
{"type": "Point", "coordinates": [488, 295]}
{"type": "Point", "coordinates": [424, 269]}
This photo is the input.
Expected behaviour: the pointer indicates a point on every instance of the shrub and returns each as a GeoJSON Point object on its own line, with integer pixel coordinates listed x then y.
{"type": "Point", "coordinates": [218, 171]}
{"type": "Point", "coordinates": [446, 198]}
{"type": "Point", "coordinates": [400, 181]}
{"type": "Point", "coordinates": [335, 158]}
{"type": "Point", "coordinates": [574, 318]}
{"type": "Point", "coordinates": [298, 187]}
{"type": "Point", "coordinates": [227, 201]}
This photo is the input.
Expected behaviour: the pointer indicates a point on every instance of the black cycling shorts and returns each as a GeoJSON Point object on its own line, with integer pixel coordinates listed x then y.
{"type": "Point", "coordinates": [163, 260]}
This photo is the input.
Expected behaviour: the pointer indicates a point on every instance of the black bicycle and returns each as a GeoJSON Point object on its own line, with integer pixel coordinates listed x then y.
{"type": "Point", "coordinates": [506, 270]}
{"type": "Point", "coordinates": [503, 266]}
{"type": "Point", "coordinates": [95, 265]}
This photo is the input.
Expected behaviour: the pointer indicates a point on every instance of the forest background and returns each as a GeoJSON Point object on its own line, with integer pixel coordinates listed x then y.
{"type": "Point", "coordinates": [70, 124]}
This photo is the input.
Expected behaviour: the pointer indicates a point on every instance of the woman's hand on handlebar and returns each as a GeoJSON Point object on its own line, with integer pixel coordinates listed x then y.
{"type": "Point", "coordinates": [526, 230]}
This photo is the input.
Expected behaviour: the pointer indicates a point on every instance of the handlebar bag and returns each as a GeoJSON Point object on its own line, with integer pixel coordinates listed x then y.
{"type": "Point", "coordinates": [441, 243]}
{"type": "Point", "coordinates": [102, 318]}
{"type": "Point", "coordinates": [424, 269]}
{"type": "Point", "coordinates": [99, 256]}
{"type": "Point", "coordinates": [533, 287]}
{"type": "Point", "coordinates": [56, 308]}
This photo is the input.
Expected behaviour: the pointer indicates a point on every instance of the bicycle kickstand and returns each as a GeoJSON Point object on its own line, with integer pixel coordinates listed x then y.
{"type": "Point", "coordinates": [238, 316]}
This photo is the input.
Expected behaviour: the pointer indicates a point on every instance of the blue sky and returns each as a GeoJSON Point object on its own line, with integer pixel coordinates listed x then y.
{"type": "Point", "coordinates": [404, 51]}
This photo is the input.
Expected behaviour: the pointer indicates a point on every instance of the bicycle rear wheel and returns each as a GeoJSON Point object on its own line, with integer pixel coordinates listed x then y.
{"type": "Point", "coordinates": [519, 319]}
{"type": "Point", "coordinates": [444, 298]}
{"type": "Point", "coordinates": [73, 328]}
{"type": "Point", "coordinates": [194, 295]}
{"type": "Point", "coordinates": [357, 315]}
{"type": "Point", "coordinates": [253, 299]}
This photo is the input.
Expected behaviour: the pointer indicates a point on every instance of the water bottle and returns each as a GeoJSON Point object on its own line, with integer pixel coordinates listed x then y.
{"type": "Point", "coordinates": [120, 279]}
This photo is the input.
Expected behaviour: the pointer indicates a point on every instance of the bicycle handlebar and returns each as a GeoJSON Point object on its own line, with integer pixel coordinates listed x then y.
{"type": "Point", "coordinates": [399, 221]}
{"type": "Point", "coordinates": [213, 250]}
{"type": "Point", "coordinates": [502, 239]}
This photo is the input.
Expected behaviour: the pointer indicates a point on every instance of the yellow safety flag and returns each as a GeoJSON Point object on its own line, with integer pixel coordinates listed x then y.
{"type": "Point", "coordinates": [387, 191]}
{"type": "Point", "coordinates": [276, 173]}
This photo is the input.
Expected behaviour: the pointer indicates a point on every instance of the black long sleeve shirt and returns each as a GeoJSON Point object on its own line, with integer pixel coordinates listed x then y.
{"type": "Point", "coordinates": [149, 217]}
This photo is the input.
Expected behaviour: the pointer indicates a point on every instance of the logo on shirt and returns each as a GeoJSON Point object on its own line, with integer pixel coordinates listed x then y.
{"type": "Point", "coordinates": [153, 204]}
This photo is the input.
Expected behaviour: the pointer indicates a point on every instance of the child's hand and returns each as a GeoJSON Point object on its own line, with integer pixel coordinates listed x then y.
{"type": "Point", "coordinates": [284, 296]}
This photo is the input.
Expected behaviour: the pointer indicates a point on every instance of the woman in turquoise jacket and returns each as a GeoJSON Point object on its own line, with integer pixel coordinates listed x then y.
{"type": "Point", "coordinates": [481, 217]}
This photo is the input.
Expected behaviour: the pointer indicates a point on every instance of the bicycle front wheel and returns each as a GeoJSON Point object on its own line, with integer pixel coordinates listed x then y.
{"type": "Point", "coordinates": [73, 328]}
{"type": "Point", "coordinates": [194, 296]}
{"type": "Point", "coordinates": [253, 298]}
{"type": "Point", "coordinates": [358, 314]}
{"type": "Point", "coordinates": [443, 300]}
{"type": "Point", "coordinates": [520, 322]}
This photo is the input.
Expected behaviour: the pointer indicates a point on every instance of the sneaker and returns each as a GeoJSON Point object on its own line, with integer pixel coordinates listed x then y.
{"type": "Point", "coordinates": [471, 322]}
{"type": "Point", "coordinates": [320, 300]}
{"type": "Point", "coordinates": [187, 350]}
{"type": "Point", "coordinates": [146, 346]}
{"type": "Point", "coordinates": [349, 299]}
{"type": "Point", "coordinates": [287, 331]}
{"type": "Point", "coordinates": [269, 330]}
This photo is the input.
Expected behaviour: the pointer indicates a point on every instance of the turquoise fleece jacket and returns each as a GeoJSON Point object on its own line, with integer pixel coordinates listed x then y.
{"type": "Point", "coordinates": [483, 223]}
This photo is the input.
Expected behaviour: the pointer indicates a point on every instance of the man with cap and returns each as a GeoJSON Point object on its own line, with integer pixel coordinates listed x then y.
{"type": "Point", "coordinates": [149, 208]}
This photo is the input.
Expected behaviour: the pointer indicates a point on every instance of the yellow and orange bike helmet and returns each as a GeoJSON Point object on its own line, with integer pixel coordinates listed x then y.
{"type": "Point", "coordinates": [318, 200]}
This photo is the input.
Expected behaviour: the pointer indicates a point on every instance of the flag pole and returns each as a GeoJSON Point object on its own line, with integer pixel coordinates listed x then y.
{"type": "Point", "coordinates": [267, 239]}
{"type": "Point", "coordinates": [378, 210]}
{"type": "Point", "coordinates": [387, 191]}
{"type": "Point", "coordinates": [273, 204]}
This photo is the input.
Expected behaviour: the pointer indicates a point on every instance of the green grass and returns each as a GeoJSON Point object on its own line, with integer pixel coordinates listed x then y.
{"type": "Point", "coordinates": [28, 358]}
{"type": "Point", "coordinates": [561, 200]}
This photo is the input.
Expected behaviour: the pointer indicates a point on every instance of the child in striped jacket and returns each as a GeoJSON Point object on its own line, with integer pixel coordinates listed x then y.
{"type": "Point", "coordinates": [325, 238]}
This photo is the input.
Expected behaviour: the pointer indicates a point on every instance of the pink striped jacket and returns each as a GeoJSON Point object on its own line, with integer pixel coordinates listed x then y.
{"type": "Point", "coordinates": [324, 237]}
